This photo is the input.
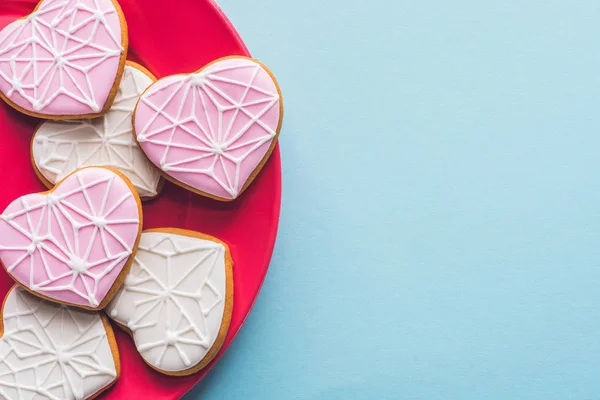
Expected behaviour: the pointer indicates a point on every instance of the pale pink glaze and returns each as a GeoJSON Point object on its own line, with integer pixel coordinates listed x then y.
{"type": "Point", "coordinates": [70, 245]}
{"type": "Point", "coordinates": [63, 59]}
{"type": "Point", "coordinates": [211, 130]}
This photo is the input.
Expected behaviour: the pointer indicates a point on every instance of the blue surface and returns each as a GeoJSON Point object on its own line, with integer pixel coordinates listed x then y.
{"type": "Point", "coordinates": [441, 211]}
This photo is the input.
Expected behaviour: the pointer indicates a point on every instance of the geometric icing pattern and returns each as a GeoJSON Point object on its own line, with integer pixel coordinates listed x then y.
{"type": "Point", "coordinates": [211, 130]}
{"type": "Point", "coordinates": [61, 147]}
{"type": "Point", "coordinates": [71, 244]}
{"type": "Point", "coordinates": [50, 351]}
{"type": "Point", "coordinates": [176, 300]}
{"type": "Point", "coordinates": [63, 59]}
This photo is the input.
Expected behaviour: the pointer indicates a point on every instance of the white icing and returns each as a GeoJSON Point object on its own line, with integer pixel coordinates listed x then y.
{"type": "Point", "coordinates": [173, 299]}
{"type": "Point", "coordinates": [61, 147]}
{"type": "Point", "coordinates": [50, 351]}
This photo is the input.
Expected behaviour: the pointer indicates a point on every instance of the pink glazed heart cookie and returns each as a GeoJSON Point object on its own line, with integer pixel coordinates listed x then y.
{"type": "Point", "coordinates": [211, 131]}
{"type": "Point", "coordinates": [74, 244]}
{"type": "Point", "coordinates": [65, 60]}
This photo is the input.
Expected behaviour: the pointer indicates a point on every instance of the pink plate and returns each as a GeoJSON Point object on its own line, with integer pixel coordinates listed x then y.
{"type": "Point", "coordinates": [167, 37]}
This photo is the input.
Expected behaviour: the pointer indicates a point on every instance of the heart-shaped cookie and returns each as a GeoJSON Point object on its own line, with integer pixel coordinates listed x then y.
{"type": "Point", "coordinates": [73, 244]}
{"type": "Point", "coordinates": [211, 131]}
{"type": "Point", "coordinates": [60, 147]}
{"type": "Point", "coordinates": [49, 351]}
{"type": "Point", "coordinates": [177, 299]}
{"type": "Point", "coordinates": [64, 60]}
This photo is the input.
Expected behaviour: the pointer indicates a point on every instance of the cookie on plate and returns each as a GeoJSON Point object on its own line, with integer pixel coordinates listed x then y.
{"type": "Point", "coordinates": [64, 60]}
{"type": "Point", "coordinates": [177, 300]}
{"type": "Point", "coordinates": [55, 352]}
{"type": "Point", "coordinates": [212, 131]}
{"type": "Point", "coordinates": [60, 147]}
{"type": "Point", "coordinates": [74, 244]}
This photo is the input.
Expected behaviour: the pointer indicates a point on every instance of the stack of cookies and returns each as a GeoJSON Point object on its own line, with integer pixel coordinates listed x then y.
{"type": "Point", "coordinates": [111, 133]}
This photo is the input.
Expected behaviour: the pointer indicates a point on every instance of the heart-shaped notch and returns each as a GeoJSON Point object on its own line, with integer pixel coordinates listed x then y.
{"type": "Point", "coordinates": [64, 60]}
{"type": "Point", "coordinates": [73, 244]}
{"type": "Point", "coordinates": [212, 131]}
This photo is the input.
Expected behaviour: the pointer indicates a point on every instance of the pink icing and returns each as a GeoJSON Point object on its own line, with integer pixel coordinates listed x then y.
{"type": "Point", "coordinates": [70, 245]}
{"type": "Point", "coordinates": [210, 130]}
{"type": "Point", "coordinates": [63, 59]}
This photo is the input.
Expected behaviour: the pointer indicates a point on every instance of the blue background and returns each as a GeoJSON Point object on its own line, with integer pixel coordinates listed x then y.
{"type": "Point", "coordinates": [441, 209]}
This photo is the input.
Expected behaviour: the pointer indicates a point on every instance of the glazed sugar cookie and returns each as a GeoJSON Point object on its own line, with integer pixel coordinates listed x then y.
{"type": "Point", "coordinates": [176, 301]}
{"type": "Point", "coordinates": [73, 244]}
{"type": "Point", "coordinates": [60, 147]}
{"type": "Point", "coordinates": [212, 131]}
{"type": "Point", "coordinates": [50, 351]}
{"type": "Point", "coordinates": [65, 60]}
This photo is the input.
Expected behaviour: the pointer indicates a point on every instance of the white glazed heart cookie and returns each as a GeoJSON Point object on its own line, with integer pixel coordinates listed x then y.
{"type": "Point", "coordinates": [75, 243]}
{"type": "Point", "coordinates": [177, 300]}
{"type": "Point", "coordinates": [64, 60]}
{"type": "Point", "coordinates": [60, 147]}
{"type": "Point", "coordinates": [50, 351]}
{"type": "Point", "coordinates": [212, 131]}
